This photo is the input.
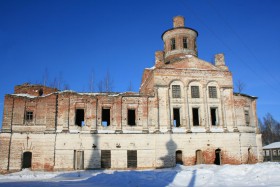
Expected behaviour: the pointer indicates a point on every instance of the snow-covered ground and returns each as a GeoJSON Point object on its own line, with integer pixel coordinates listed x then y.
{"type": "Point", "coordinates": [265, 174]}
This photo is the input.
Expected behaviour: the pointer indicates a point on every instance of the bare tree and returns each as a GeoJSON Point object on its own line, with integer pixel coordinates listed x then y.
{"type": "Point", "coordinates": [108, 82]}
{"type": "Point", "coordinates": [240, 86]}
{"type": "Point", "coordinates": [106, 85]}
{"type": "Point", "coordinates": [91, 81]}
{"type": "Point", "coordinates": [100, 86]}
{"type": "Point", "coordinates": [45, 77]}
{"type": "Point", "coordinates": [270, 129]}
{"type": "Point", "coordinates": [130, 87]}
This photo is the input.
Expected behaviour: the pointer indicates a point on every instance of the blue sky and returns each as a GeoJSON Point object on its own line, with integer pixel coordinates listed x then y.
{"type": "Point", "coordinates": [71, 39]}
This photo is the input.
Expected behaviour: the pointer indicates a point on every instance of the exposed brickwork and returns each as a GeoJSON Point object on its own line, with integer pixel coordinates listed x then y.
{"type": "Point", "coordinates": [61, 128]}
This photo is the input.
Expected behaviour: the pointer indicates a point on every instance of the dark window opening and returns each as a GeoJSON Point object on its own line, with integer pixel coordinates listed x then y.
{"type": "Point", "coordinates": [176, 117]}
{"type": "Point", "coordinates": [132, 159]}
{"type": "Point", "coordinates": [199, 157]}
{"type": "Point", "coordinates": [78, 160]}
{"type": "Point", "coordinates": [176, 91]}
{"type": "Point", "coordinates": [212, 92]}
{"type": "Point", "coordinates": [195, 91]}
{"type": "Point", "coordinates": [41, 92]}
{"type": "Point", "coordinates": [185, 44]}
{"type": "Point", "coordinates": [195, 116]}
{"type": "Point", "coordinates": [105, 117]}
{"type": "Point", "coordinates": [131, 117]}
{"type": "Point", "coordinates": [167, 62]}
{"type": "Point", "coordinates": [179, 157]}
{"type": "Point", "coordinates": [247, 117]}
{"type": "Point", "coordinates": [213, 112]}
{"type": "Point", "coordinates": [173, 44]}
{"type": "Point", "coordinates": [26, 160]}
{"type": "Point", "coordinates": [105, 159]}
{"type": "Point", "coordinates": [80, 117]}
{"type": "Point", "coordinates": [218, 157]}
{"type": "Point", "coordinates": [29, 116]}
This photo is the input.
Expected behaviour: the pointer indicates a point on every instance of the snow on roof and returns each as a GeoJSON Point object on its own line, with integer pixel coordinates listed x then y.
{"type": "Point", "coordinates": [24, 95]}
{"type": "Point", "coordinates": [151, 68]}
{"type": "Point", "coordinates": [272, 145]}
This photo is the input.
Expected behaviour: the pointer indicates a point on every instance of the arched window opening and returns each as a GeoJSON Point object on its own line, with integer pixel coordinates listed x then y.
{"type": "Point", "coordinates": [179, 157]}
{"type": "Point", "coordinates": [26, 160]}
{"type": "Point", "coordinates": [199, 157]}
{"type": "Point", "coordinates": [218, 160]}
{"type": "Point", "coordinates": [41, 92]}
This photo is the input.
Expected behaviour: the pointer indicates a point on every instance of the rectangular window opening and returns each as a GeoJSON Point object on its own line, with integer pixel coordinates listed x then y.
{"type": "Point", "coordinates": [29, 116]}
{"type": "Point", "coordinates": [213, 112]}
{"type": "Point", "coordinates": [176, 91]}
{"type": "Point", "coordinates": [212, 92]}
{"type": "Point", "coordinates": [195, 112]}
{"type": "Point", "coordinates": [131, 158]}
{"type": "Point", "coordinates": [173, 44]}
{"type": "Point", "coordinates": [131, 117]}
{"type": "Point", "coordinates": [176, 117]}
{"type": "Point", "coordinates": [195, 91]}
{"type": "Point", "coordinates": [185, 44]}
{"type": "Point", "coordinates": [80, 117]}
{"type": "Point", "coordinates": [105, 117]}
{"type": "Point", "coordinates": [247, 117]}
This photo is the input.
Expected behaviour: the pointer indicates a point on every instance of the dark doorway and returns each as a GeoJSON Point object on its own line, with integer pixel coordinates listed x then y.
{"type": "Point", "coordinates": [80, 117]}
{"type": "Point", "coordinates": [131, 117]}
{"type": "Point", "coordinates": [132, 159]}
{"type": "Point", "coordinates": [195, 117]}
{"type": "Point", "coordinates": [26, 160]}
{"type": "Point", "coordinates": [218, 160]}
{"type": "Point", "coordinates": [79, 160]}
{"type": "Point", "coordinates": [199, 157]}
{"type": "Point", "coordinates": [213, 116]}
{"type": "Point", "coordinates": [105, 117]}
{"type": "Point", "coordinates": [105, 159]}
{"type": "Point", "coordinates": [179, 157]}
{"type": "Point", "coordinates": [176, 117]}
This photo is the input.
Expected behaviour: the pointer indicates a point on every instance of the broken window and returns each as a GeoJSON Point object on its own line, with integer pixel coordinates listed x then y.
{"type": "Point", "coordinates": [105, 117]}
{"type": "Point", "coordinates": [131, 117]}
{"type": "Point", "coordinates": [78, 160]}
{"type": "Point", "coordinates": [29, 115]}
{"type": "Point", "coordinates": [80, 117]}
{"type": "Point", "coordinates": [131, 158]}
{"type": "Point", "coordinates": [212, 92]}
{"type": "Point", "coordinates": [213, 112]}
{"type": "Point", "coordinates": [179, 157]}
{"type": "Point", "coordinates": [176, 91]}
{"type": "Point", "coordinates": [105, 159]}
{"type": "Point", "coordinates": [195, 116]}
{"type": "Point", "coordinates": [247, 117]}
{"type": "Point", "coordinates": [185, 44]}
{"type": "Point", "coordinates": [172, 43]}
{"type": "Point", "coordinates": [195, 91]}
{"type": "Point", "coordinates": [176, 117]}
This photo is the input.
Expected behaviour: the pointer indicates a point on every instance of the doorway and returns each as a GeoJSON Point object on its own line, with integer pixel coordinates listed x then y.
{"type": "Point", "coordinates": [79, 160]}
{"type": "Point", "coordinates": [218, 160]}
{"type": "Point", "coordinates": [26, 160]}
{"type": "Point", "coordinates": [199, 157]}
{"type": "Point", "coordinates": [179, 157]}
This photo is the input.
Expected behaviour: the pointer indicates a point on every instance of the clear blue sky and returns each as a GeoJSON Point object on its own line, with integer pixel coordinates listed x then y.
{"type": "Point", "coordinates": [72, 38]}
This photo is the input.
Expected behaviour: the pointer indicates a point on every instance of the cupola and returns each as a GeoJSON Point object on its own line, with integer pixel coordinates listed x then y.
{"type": "Point", "coordinates": [179, 41]}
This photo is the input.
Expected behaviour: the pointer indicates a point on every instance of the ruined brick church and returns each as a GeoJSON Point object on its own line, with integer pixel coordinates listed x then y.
{"type": "Point", "coordinates": [185, 113]}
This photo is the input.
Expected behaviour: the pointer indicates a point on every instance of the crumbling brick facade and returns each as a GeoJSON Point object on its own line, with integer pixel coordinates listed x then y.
{"type": "Point", "coordinates": [186, 112]}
